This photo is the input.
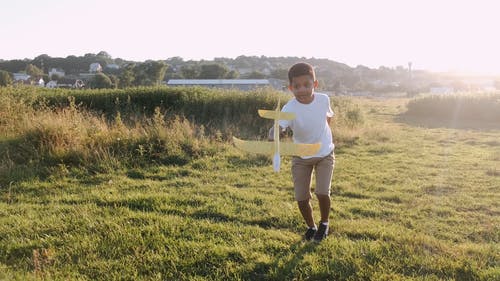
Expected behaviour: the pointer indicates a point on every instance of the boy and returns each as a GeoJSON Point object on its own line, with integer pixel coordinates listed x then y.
{"type": "Point", "coordinates": [311, 125]}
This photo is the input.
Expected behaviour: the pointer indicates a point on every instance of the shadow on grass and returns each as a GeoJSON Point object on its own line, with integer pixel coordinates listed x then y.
{"type": "Point", "coordinates": [283, 267]}
{"type": "Point", "coordinates": [25, 158]}
{"type": "Point", "coordinates": [249, 160]}
{"type": "Point", "coordinates": [16, 162]}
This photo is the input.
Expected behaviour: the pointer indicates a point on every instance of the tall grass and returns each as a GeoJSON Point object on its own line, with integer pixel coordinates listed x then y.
{"type": "Point", "coordinates": [48, 132]}
{"type": "Point", "coordinates": [223, 110]}
{"type": "Point", "coordinates": [39, 141]}
{"type": "Point", "coordinates": [457, 108]}
{"type": "Point", "coordinates": [228, 111]}
{"type": "Point", "coordinates": [348, 122]}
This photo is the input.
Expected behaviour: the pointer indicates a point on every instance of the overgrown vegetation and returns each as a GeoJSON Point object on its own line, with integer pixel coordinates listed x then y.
{"type": "Point", "coordinates": [457, 108]}
{"type": "Point", "coordinates": [93, 192]}
{"type": "Point", "coordinates": [104, 130]}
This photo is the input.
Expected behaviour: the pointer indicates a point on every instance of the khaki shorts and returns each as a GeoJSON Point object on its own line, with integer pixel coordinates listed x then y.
{"type": "Point", "coordinates": [302, 172]}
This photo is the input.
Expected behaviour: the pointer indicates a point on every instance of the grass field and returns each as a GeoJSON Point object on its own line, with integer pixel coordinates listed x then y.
{"type": "Point", "coordinates": [408, 203]}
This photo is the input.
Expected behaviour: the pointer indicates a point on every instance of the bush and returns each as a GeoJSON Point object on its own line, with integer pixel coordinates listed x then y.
{"type": "Point", "coordinates": [101, 81]}
{"type": "Point", "coordinates": [229, 111]}
{"type": "Point", "coordinates": [5, 79]}
{"type": "Point", "coordinates": [39, 141]}
{"type": "Point", "coordinates": [458, 108]}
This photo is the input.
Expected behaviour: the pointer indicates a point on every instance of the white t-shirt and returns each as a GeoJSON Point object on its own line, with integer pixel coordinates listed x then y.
{"type": "Point", "coordinates": [310, 124]}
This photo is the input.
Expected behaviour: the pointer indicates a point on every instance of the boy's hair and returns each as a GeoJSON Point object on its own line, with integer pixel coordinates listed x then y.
{"type": "Point", "coordinates": [299, 69]}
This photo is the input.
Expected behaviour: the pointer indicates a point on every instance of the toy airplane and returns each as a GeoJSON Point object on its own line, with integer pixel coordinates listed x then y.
{"type": "Point", "coordinates": [277, 148]}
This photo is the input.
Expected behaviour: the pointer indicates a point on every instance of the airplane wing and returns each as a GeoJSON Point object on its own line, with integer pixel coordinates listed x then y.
{"type": "Point", "coordinates": [286, 148]}
{"type": "Point", "coordinates": [273, 114]}
{"type": "Point", "coordinates": [260, 147]}
{"type": "Point", "coordinates": [299, 149]}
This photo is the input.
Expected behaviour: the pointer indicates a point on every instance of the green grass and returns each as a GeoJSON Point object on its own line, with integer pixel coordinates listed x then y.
{"type": "Point", "coordinates": [408, 203]}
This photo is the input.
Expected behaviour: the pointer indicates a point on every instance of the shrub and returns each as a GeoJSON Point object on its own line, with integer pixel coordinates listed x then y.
{"type": "Point", "coordinates": [458, 108]}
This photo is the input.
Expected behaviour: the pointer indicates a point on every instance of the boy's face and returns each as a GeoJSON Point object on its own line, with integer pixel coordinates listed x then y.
{"type": "Point", "coordinates": [303, 88]}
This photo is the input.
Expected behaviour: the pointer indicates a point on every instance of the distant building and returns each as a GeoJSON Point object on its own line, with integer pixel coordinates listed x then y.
{"type": "Point", "coordinates": [441, 90]}
{"type": "Point", "coordinates": [113, 66]}
{"type": "Point", "coordinates": [241, 84]}
{"type": "Point", "coordinates": [21, 76]}
{"type": "Point", "coordinates": [66, 83]}
{"type": "Point", "coordinates": [40, 83]}
{"type": "Point", "coordinates": [57, 71]}
{"type": "Point", "coordinates": [95, 67]}
{"type": "Point", "coordinates": [51, 84]}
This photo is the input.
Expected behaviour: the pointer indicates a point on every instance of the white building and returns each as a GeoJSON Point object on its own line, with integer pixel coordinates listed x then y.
{"type": "Point", "coordinates": [66, 83]}
{"type": "Point", "coordinates": [441, 90]}
{"type": "Point", "coordinates": [95, 67]}
{"type": "Point", "coordinates": [20, 76]}
{"type": "Point", "coordinates": [57, 71]}
{"type": "Point", "coordinates": [113, 66]}
{"type": "Point", "coordinates": [40, 83]}
{"type": "Point", "coordinates": [51, 84]}
{"type": "Point", "coordinates": [241, 84]}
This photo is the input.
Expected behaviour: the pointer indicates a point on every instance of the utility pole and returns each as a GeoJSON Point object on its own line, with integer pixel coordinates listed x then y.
{"type": "Point", "coordinates": [410, 91]}
{"type": "Point", "coordinates": [409, 72]}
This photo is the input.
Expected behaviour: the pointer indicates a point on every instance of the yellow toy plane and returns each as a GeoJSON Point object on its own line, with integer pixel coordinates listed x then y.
{"type": "Point", "coordinates": [276, 148]}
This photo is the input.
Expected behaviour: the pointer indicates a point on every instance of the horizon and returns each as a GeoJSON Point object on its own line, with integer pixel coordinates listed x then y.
{"type": "Point", "coordinates": [436, 37]}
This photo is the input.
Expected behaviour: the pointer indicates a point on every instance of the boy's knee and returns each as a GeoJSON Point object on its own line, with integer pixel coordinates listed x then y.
{"type": "Point", "coordinates": [301, 202]}
{"type": "Point", "coordinates": [322, 196]}
{"type": "Point", "coordinates": [302, 197]}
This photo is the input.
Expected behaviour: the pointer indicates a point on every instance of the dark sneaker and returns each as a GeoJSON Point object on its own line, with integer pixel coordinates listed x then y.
{"type": "Point", "coordinates": [321, 233]}
{"type": "Point", "coordinates": [309, 234]}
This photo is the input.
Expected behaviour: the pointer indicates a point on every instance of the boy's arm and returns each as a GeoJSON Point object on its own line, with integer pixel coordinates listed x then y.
{"type": "Point", "coordinates": [329, 112]}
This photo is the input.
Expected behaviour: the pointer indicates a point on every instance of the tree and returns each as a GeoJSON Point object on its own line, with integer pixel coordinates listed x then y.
{"type": "Point", "coordinates": [255, 75]}
{"type": "Point", "coordinates": [173, 76]}
{"type": "Point", "coordinates": [190, 71]}
{"type": "Point", "coordinates": [233, 74]}
{"type": "Point", "coordinates": [54, 77]}
{"type": "Point", "coordinates": [5, 79]}
{"type": "Point", "coordinates": [127, 77]}
{"type": "Point", "coordinates": [150, 73]}
{"type": "Point", "coordinates": [33, 71]}
{"type": "Point", "coordinates": [104, 55]}
{"type": "Point", "coordinates": [101, 81]}
{"type": "Point", "coordinates": [175, 60]}
{"type": "Point", "coordinates": [213, 71]}
{"type": "Point", "coordinates": [140, 76]}
{"type": "Point", "coordinates": [280, 73]}
{"type": "Point", "coordinates": [156, 71]}
{"type": "Point", "coordinates": [42, 61]}
{"type": "Point", "coordinates": [14, 65]}
{"type": "Point", "coordinates": [115, 81]}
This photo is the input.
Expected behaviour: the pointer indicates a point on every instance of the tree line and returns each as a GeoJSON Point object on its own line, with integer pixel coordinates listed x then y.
{"type": "Point", "coordinates": [120, 73]}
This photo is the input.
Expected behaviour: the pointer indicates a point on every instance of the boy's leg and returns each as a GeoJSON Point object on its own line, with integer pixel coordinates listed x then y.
{"type": "Point", "coordinates": [307, 212]}
{"type": "Point", "coordinates": [301, 172]}
{"type": "Point", "coordinates": [324, 173]}
{"type": "Point", "coordinates": [324, 206]}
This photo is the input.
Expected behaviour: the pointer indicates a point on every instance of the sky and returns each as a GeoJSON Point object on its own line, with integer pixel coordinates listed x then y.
{"type": "Point", "coordinates": [438, 35]}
